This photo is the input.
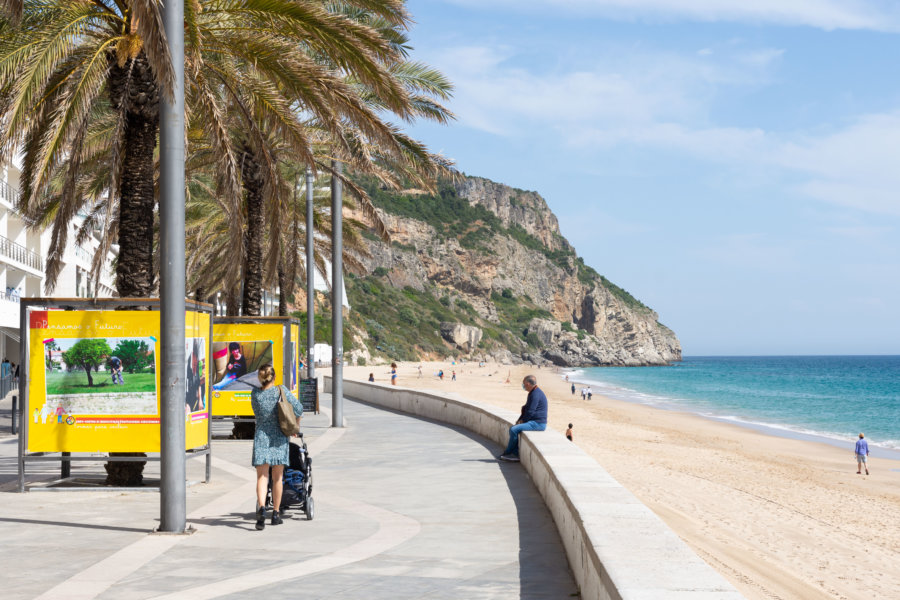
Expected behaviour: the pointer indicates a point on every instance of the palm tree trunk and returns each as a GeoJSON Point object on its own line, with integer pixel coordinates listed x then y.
{"type": "Point", "coordinates": [282, 291]}
{"type": "Point", "coordinates": [252, 178]}
{"type": "Point", "coordinates": [134, 86]}
{"type": "Point", "coordinates": [133, 89]}
{"type": "Point", "coordinates": [233, 301]}
{"type": "Point", "coordinates": [253, 182]}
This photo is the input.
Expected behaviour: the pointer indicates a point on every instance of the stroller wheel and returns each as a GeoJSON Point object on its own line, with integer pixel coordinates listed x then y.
{"type": "Point", "coordinates": [310, 508]}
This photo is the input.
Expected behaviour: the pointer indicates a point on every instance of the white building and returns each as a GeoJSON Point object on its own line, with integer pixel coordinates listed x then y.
{"type": "Point", "coordinates": [23, 257]}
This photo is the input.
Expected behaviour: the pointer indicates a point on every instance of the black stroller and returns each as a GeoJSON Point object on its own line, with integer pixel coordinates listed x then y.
{"type": "Point", "coordinates": [297, 482]}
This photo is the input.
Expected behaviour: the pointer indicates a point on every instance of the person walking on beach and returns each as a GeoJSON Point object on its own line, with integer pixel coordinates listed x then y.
{"type": "Point", "coordinates": [862, 453]}
{"type": "Point", "coordinates": [270, 446]}
{"type": "Point", "coordinates": [420, 371]}
{"type": "Point", "coordinates": [590, 393]}
{"type": "Point", "coordinates": [569, 433]}
{"type": "Point", "coordinates": [573, 389]}
{"type": "Point", "coordinates": [393, 373]}
{"type": "Point", "coordinates": [532, 418]}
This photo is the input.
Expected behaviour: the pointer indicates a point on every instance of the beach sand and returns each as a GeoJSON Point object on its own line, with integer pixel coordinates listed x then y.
{"type": "Point", "coordinates": [778, 517]}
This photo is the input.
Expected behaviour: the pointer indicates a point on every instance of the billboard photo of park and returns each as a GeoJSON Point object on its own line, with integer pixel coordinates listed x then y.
{"type": "Point", "coordinates": [101, 376]}
{"type": "Point", "coordinates": [236, 364]}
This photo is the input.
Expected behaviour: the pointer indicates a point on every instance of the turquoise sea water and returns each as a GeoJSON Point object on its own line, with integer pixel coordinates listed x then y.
{"type": "Point", "coordinates": [831, 397]}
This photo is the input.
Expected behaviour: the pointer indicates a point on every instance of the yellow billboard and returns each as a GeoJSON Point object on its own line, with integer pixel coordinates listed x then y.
{"type": "Point", "coordinates": [238, 351]}
{"type": "Point", "coordinates": [93, 381]}
{"type": "Point", "coordinates": [296, 355]}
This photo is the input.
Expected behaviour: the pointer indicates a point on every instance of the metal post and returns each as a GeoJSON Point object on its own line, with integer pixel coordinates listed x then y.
{"type": "Point", "coordinates": [337, 298]}
{"type": "Point", "coordinates": [173, 513]}
{"type": "Point", "coordinates": [14, 410]}
{"type": "Point", "coordinates": [65, 470]}
{"type": "Point", "coordinates": [24, 422]}
{"type": "Point", "coordinates": [310, 280]}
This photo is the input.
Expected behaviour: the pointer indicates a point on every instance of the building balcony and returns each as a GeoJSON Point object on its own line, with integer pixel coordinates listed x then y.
{"type": "Point", "coordinates": [8, 195]}
{"type": "Point", "coordinates": [21, 254]}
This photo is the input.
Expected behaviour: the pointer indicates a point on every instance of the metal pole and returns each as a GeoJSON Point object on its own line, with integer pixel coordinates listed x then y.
{"type": "Point", "coordinates": [172, 510]}
{"type": "Point", "coordinates": [310, 280]}
{"type": "Point", "coordinates": [25, 410]}
{"type": "Point", "coordinates": [337, 298]}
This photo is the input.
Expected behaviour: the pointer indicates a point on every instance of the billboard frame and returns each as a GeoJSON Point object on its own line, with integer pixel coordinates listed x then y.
{"type": "Point", "coordinates": [287, 324]}
{"type": "Point", "coordinates": [65, 458]}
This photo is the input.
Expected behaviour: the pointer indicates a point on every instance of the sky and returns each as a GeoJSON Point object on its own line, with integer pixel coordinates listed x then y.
{"type": "Point", "coordinates": [734, 165]}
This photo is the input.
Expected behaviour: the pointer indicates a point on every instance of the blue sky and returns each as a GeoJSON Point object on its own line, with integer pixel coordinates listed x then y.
{"type": "Point", "coordinates": [735, 165]}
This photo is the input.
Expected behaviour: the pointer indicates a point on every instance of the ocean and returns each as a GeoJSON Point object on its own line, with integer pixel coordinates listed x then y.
{"type": "Point", "coordinates": [825, 398]}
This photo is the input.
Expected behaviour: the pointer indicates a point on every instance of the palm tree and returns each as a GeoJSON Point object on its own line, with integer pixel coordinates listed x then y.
{"type": "Point", "coordinates": [80, 84]}
{"type": "Point", "coordinates": [72, 69]}
{"type": "Point", "coordinates": [61, 68]}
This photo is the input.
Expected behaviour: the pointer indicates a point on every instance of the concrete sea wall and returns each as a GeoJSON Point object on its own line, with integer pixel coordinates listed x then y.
{"type": "Point", "coordinates": [617, 548]}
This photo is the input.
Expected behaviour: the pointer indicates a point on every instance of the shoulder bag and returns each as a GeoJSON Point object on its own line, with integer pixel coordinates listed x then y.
{"type": "Point", "coordinates": [287, 420]}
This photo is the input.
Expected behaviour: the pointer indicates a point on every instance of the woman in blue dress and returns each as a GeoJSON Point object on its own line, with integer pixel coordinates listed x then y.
{"type": "Point", "coordinates": [270, 446]}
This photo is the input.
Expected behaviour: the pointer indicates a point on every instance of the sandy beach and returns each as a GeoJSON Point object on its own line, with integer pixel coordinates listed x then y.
{"type": "Point", "coordinates": [779, 518]}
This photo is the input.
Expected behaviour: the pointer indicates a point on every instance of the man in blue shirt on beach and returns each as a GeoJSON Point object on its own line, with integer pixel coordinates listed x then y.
{"type": "Point", "coordinates": [862, 451]}
{"type": "Point", "coordinates": [533, 418]}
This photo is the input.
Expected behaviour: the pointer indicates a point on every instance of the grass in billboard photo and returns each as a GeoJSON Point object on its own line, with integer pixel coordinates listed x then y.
{"type": "Point", "coordinates": [75, 382]}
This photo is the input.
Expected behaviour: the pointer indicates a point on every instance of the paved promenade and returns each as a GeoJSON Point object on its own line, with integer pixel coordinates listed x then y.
{"type": "Point", "coordinates": [405, 508]}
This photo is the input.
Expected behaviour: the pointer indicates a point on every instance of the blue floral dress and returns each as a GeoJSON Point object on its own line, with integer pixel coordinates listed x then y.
{"type": "Point", "coordinates": [270, 446]}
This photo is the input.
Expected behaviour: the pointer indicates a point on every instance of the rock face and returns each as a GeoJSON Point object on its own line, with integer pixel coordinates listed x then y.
{"type": "Point", "coordinates": [464, 337]}
{"type": "Point", "coordinates": [605, 325]}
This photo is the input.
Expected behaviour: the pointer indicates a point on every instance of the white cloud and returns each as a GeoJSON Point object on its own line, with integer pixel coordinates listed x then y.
{"type": "Point", "coordinates": [495, 94]}
{"type": "Point", "coordinates": [877, 15]}
{"type": "Point", "coordinates": [663, 101]}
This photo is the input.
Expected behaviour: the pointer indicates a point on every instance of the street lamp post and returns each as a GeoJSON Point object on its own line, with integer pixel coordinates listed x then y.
{"type": "Point", "coordinates": [171, 233]}
{"type": "Point", "coordinates": [337, 298]}
{"type": "Point", "coordinates": [310, 280]}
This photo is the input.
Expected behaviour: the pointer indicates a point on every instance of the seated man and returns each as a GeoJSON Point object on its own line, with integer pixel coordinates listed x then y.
{"type": "Point", "coordinates": [533, 418]}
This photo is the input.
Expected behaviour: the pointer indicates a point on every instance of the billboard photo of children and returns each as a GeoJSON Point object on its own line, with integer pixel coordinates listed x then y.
{"type": "Point", "coordinates": [236, 364]}
{"type": "Point", "coordinates": [195, 375]}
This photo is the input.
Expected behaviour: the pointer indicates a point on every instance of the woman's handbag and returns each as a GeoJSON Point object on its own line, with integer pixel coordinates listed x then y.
{"type": "Point", "coordinates": [287, 420]}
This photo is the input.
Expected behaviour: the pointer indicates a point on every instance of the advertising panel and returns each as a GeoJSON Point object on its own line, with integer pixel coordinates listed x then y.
{"type": "Point", "coordinates": [238, 351]}
{"type": "Point", "coordinates": [93, 381]}
{"type": "Point", "coordinates": [196, 384]}
{"type": "Point", "coordinates": [295, 358]}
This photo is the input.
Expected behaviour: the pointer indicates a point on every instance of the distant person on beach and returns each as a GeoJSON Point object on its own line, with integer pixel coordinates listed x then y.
{"type": "Point", "coordinates": [441, 374]}
{"type": "Point", "coordinates": [393, 373]}
{"type": "Point", "coordinates": [862, 453]}
{"type": "Point", "coordinates": [454, 376]}
{"type": "Point", "coordinates": [569, 433]}
{"type": "Point", "coordinates": [371, 376]}
{"type": "Point", "coordinates": [590, 393]}
{"type": "Point", "coordinates": [532, 418]}
{"type": "Point", "coordinates": [584, 393]}
{"type": "Point", "coordinates": [573, 389]}
{"type": "Point", "coordinates": [420, 371]}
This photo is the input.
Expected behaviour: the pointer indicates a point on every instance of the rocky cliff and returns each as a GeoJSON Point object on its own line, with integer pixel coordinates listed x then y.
{"type": "Point", "coordinates": [496, 254]}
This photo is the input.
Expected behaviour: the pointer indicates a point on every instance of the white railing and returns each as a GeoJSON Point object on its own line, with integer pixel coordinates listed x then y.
{"type": "Point", "coordinates": [20, 253]}
{"type": "Point", "coordinates": [8, 194]}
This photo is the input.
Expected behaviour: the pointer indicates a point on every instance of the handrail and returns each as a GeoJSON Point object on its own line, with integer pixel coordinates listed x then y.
{"type": "Point", "coordinates": [20, 253]}
{"type": "Point", "coordinates": [8, 193]}
{"type": "Point", "coordinates": [11, 294]}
